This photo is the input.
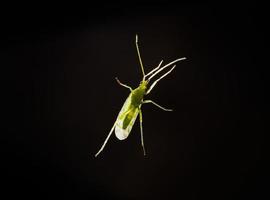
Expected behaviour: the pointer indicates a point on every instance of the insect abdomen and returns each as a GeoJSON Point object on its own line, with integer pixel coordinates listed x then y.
{"type": "Point", "coordinates": [125, 123]}
{"type": "Point", "coordinates": [127, 119]}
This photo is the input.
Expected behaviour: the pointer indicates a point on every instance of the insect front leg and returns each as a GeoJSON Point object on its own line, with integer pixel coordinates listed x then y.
{"type": "Point", "coordinates": [124, 85]}
{"type": "Point", "coordinates": [141, 128]}
{"type": "Point", "coordinates": [162, 108]}
{"type": "Point", "coordinates": [139, 56]}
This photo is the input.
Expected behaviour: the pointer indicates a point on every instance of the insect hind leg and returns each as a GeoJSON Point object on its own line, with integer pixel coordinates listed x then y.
{"type": "Point", "coordinates": [106, 140]}
{"type": "Point", "coordinates": [141, 128]}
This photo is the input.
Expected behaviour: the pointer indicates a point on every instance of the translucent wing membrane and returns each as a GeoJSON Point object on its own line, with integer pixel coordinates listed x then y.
{"type": "Point", "coordinates": [126, 119]}
{"type": "Point", "coordinates": [124, 125]}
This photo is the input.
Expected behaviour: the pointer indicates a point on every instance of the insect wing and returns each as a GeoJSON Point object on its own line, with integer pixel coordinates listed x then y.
{"type": "Point", "coordinates": [122, 130]}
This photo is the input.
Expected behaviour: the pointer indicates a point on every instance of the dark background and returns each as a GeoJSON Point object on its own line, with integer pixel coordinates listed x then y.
{"type": "Point", "coordinates": [61, 99]}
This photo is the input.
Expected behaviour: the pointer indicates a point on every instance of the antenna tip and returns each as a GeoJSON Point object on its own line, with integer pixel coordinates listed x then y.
{"type": "Point", "coordinates": [136, 38]}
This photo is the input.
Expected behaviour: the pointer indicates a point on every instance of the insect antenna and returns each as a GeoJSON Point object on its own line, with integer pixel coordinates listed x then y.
{"type": "Point", "coordinates": [162, 68]}
{"type": "Point", "coordinates": [153, 70]}
{"type": "Point", "coordinates": [156, 81]}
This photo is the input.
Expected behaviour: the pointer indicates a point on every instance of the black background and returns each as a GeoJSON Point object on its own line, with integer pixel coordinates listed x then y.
{"type": "Point", "coordinates": [61, 99]}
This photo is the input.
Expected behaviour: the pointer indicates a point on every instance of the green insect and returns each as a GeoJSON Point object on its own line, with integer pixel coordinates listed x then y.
{"type": "Point", "coordinates": [132, 106]}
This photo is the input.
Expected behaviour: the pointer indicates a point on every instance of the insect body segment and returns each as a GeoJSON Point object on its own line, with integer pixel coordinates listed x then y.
{"type": "Point", "coordinates": [132, 106]}
{"type": "Point", "coordinates": [138, 94]}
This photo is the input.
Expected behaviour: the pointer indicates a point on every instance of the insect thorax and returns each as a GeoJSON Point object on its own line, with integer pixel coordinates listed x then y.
{"type": "Point", "coordinates": [138, 94]}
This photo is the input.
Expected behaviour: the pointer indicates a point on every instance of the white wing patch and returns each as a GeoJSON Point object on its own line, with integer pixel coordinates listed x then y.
{"type": "Point", "coordinates": [121, 133]}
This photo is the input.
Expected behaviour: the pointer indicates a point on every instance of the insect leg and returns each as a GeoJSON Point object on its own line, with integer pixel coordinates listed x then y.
{"type": "Point", "coordinates": [106, 140]}
{"type": "Point", "coordinates": [140, 111]}
{"type": "Point", "coordinates": [162, 108]}
{"type": "Point", "coordinates": [124, 85]}
{"type": "Point", "coordinates": [156, 81]}
{"type": "Point", "coordinates": [139, 55]}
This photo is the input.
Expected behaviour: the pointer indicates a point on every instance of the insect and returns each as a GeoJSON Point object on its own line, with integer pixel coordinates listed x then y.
{"type": "Point", "coordinates": [133, 104]}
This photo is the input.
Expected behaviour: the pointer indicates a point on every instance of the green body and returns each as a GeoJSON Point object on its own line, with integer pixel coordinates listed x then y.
{"type": "Point", "coordinates": [132, 106]}
{"type": "Point", "coordinates": [138, 94]}
{"type": "Point", "coordinates": [130, 109]}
